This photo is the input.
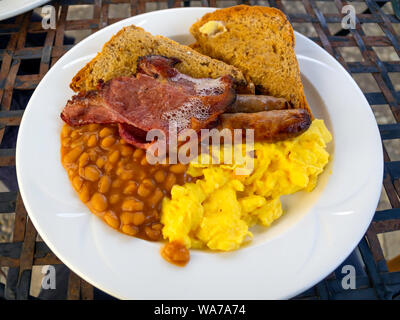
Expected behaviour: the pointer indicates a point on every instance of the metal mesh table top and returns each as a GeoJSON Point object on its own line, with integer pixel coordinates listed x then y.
{"type": "Point", "coordinates": [27, 52]}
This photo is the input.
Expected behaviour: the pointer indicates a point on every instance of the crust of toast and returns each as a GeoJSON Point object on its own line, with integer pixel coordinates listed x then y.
{"type": "Point", "coordinates": [119, 58]}
{"type": "Point", "coordinates": [259, 41]}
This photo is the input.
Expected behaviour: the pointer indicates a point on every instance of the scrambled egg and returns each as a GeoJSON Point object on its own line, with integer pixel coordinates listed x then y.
{"type": "Point", "coordinates": [217, 210]}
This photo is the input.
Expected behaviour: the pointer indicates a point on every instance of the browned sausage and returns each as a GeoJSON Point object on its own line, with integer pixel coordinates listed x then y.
{"type": "Point", "coordinates": [249, 103]}
{"type": "Point", "coordinates": [270, 126]}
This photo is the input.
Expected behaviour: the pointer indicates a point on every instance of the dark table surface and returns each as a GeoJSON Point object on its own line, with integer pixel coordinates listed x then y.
{"type": "Point", "coordinates": [27, 51]}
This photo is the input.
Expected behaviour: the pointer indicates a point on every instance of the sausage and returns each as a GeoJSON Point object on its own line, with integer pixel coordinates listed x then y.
{"type": "Point", "coordinates": [249, 103]}
{"type": "Point", "coordinates": [269, 126]}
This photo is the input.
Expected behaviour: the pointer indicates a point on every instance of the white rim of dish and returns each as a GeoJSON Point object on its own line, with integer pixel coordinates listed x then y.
{"type": "Point", "coordinates": [19, 10]}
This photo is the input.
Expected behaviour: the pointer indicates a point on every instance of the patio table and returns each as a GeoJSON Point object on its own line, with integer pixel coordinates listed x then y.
{"type": "Point", "coordinates": [27, 52]}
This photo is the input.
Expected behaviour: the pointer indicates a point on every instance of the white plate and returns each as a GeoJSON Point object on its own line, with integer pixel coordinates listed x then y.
{"type": "Point", "coordinates": [11, 8]}
{"type": "Point", "coordinates": [318, 231]}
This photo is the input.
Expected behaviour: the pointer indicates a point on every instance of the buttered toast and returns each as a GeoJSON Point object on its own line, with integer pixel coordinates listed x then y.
{"type": "Point", "coordinates": [259, 41]}
{"type": "Point", "coordinates": [119, 58]}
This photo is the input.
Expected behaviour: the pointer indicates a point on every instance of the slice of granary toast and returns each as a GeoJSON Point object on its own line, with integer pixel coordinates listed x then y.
{"type": "Point", "coordinates": [259, 41]}
{"type": "Point", "coordinates": [119, 58]}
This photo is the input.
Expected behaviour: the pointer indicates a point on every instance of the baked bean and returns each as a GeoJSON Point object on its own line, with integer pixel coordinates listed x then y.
{"type": "Point", "coordinates": [114, 156]}
{"type": "Point", "coordinates": [149, 183]}
{"type": "Point", "coordinates": [132, 204]}
{"type": "Point", "coordinates": [77, 143]}
{"type": "Point", "coordinates": [73, 154]}
{"type": "Point", "coordinates": [107, 142]}
{"type": "Point", "coordinates": [130, 229]}
{"type": "Point", "coordinates": [93, 127]}
{"type": "Point", "coordinates": [104, 184]}
{"type": "Point", "coordinates": [153, 201]}
{"type": "Point", "coordinates": [127, 174]}
{"type": "Point", "coordinates": [112, 219]}
{"type": "Point", "coordinates": [152, 234]}
{"type": "Point", "coordinates": [92, 155]}
{"type": "Point", "coordinates": [126, 151]}
{"type": "Point", "coordinates": [156, 226]}
{"type": "Point", "coordinates": [152, 170]}
{"type": "Point", "coordinates": [176, 252]}
{"type": "Point", "coordinates": [107, 131]}
{"type": "Point", "coordinates": [144, 162]}
{"type": "Point", "coordinates": [114, 198]}
{"type": "Point", "coordinates": [92, 141]}
{"type": "Point", "coordinates": [129, 165]}
{"type": "Point", "coordinates": [159, 176]}
{"type": "Point", "coordinates": [126, 217]}
{"type": "Point", "coordinates": [114, 178]}
{"type": "Point", "coordinates": [143, 191]}
{"type": "Point", "coordinates": [125, 163]}
{"type": "Point", "coordinates": [177, 168]}
{"type": "Point", "coordinates": [81, 172]}
{"type": "Point", "coordinates": [131, 188]}
{"type": "Point", "coordinates": [99, 202]}
{"type": "Point", "coordinates": [138, 154]}
{"type": "Point", "coordinates": [66, 142]}
{"type": "Point", "coordinates": [77, 182]}
{"type": "Point", "coordinates": [117, 183]}
{"type": "Point", "coordinates": [136, 218]}
{"type": "Point", "coordinates": [108, 167]}
{"type": "Point", "coordinates": [66, 131]}
{"type": "Point", "coordinates": [84, 193]}
{"type": "Point", "coordinates": [83, 159]}
{"type": "Point", "coordinates": [92, 173]}
{"type": "Point", "coordinates": [141, 175]}
{"type": "Point", "coordinates": [75, 134]}
{"type": "Point", "coordinates": [101, 162]}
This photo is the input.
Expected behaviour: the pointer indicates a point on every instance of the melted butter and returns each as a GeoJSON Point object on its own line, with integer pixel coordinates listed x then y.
{"type": "Point", "coordinates": [212, 28]}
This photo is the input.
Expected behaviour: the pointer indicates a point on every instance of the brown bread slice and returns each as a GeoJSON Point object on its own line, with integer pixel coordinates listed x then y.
{"type": "Point", "coordinates": [259, 41]}
{"type": "Point", "coordinates": [119, 57]}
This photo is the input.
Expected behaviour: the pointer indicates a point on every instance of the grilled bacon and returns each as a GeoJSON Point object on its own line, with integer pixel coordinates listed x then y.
{"type": "Point", "coordinates": [157, 97]}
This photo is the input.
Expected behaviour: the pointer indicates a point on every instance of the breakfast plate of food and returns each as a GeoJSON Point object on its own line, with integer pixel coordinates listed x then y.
{"type": "Point", "coordinates": [200, 153]}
